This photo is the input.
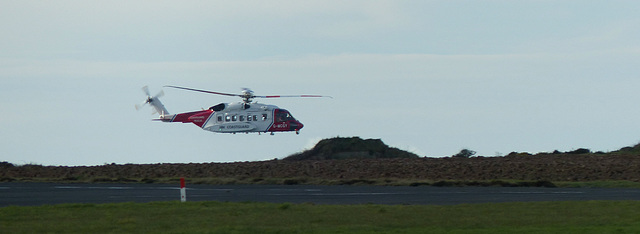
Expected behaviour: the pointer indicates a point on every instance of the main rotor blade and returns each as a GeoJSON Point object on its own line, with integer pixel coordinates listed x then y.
{"type": "Point", "coordinates": [284, 96]}
{"type": "Point", "coordinates": [203, 91]}
{"type": "Point", "coordinates": [248, 94]}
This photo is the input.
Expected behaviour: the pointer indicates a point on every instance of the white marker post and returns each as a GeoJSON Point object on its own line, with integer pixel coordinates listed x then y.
{"type": "Point", "coordinates": [183, 191]}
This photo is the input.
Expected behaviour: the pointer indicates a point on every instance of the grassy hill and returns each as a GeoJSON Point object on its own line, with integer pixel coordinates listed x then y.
{"type": "Point", "coordinates": [350, 148]}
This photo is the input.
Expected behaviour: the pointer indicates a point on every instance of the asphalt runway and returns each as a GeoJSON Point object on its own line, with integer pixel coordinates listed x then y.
{"type": "Point", "coordinates": [34, 194]}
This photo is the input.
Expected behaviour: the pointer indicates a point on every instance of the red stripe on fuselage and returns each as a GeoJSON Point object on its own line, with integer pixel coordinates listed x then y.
{"type": "Point", "coordinates": [196, 117]}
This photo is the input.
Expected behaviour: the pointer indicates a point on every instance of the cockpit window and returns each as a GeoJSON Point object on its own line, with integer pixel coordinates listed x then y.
{"type": "Point", "coordinates": [283, 115]}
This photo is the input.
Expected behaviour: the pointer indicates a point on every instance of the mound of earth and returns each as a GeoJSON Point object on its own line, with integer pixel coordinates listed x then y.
{"type": "Point", "coordinates": [350, 148]}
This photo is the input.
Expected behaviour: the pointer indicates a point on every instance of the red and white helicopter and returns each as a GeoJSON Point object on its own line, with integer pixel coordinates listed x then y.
{"type": "Point", "coordinates": [235, 117]}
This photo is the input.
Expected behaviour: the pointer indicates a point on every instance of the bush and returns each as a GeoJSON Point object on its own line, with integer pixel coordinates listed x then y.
{"type": "Point", "coordinates": [6, 164]}
{"type": "Point", "coordinates": [464, 153]}
{"type": "Point", "coordinates": [580, 151]}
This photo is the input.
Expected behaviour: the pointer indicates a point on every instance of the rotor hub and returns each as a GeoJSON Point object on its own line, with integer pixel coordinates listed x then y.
{"type": "Point", "coordinates": [247, 95]}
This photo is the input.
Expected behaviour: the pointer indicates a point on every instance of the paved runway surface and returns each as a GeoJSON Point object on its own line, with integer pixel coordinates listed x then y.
{"type": "Point", "coordinates": [31, 194]}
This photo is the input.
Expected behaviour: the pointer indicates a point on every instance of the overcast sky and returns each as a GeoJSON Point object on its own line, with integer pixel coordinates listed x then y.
{"type": "Point", "coordinates": [430, 77]}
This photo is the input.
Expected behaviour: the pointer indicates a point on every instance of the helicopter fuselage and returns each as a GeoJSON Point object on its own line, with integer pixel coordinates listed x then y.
{"type": "Point", "coordinates": [239, 117]}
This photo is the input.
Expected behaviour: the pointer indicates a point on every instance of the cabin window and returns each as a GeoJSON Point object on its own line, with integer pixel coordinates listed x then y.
{"type": "Point", "coordinates": [255, 118]}
{"type": "Point", "coordinates": [241, 118]}
{"type": "Point", "coordinates": [227, 118]}
{"type": "Point", "coordinates": [264, 117]}
{"type": "Point", "coordinates": [219, 118]}
{"type": "Point", "coordinates": [234, 118]}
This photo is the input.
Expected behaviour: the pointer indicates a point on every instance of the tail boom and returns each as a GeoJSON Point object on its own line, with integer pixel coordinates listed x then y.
{"type": "Point", "coordinates": [198, 118]}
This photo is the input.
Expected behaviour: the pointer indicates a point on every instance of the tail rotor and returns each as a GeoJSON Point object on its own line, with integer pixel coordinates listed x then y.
{"type": "Point", "coordinates": [154, 101]}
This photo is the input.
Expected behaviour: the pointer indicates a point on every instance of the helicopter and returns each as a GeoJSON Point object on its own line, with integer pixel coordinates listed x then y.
{"type": "Point", "coordinates": [236, 117]}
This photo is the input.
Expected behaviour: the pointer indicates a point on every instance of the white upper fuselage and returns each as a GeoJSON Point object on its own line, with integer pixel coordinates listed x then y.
{"type": "Point", "coordinates": [236, 118]}
{"type": "Point", "coordinates": [239, 117]}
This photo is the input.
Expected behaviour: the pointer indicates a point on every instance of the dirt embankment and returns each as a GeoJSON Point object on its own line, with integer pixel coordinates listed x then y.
{"type": "Point", "coordinates": [588, 167]}
{"type": "Point", "coordinates": [349, 160]}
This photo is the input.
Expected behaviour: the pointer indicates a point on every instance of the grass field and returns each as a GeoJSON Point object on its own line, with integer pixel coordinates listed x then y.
{"type": "Point", "coordinates": [224, 217]}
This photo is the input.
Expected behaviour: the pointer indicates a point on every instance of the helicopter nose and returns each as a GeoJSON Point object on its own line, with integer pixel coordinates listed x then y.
{"type": "Point", "coordinates": [297, 125]}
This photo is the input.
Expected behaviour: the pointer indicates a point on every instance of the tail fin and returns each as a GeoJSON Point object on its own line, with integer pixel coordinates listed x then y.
{"type": "Point", "coordinates": [154, 101]}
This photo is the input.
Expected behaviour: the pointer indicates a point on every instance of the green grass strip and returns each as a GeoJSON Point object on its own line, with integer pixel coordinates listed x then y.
{"type": "Point", "coordinates": [226, 217]}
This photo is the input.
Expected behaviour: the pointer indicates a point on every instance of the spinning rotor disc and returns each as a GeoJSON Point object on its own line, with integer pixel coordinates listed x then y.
{"type": "Point", "coordinates": [247, 94]}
